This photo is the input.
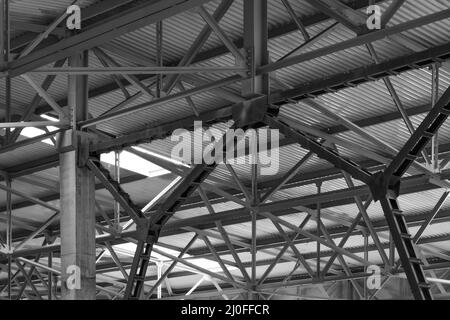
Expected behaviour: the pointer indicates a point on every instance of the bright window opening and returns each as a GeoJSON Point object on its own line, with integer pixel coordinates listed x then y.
{"type": "Point", "coordinates": [128, 161]}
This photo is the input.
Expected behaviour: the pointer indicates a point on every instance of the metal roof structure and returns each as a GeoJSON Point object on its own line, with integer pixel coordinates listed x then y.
{"type": "Point", "coordinates": [361, 164]}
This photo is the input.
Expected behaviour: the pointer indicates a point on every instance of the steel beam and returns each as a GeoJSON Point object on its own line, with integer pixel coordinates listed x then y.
{"type": "Point", "coordinates": [322, 152]}
{"type": "Point", "coordinates": [352, 19]}
{"type": "Point", "coordinates": [148, 235]}
{"type": "Point", "coordinates": [406, 248]}
{"type": "Point", "coordinates": [391, 11]}
{"type": "Point", "coordinates": [255, 46]}
{"type": "Point", "coordinates": [301, 27]}
{"type": "Point", "coordinates": [360, 40]}
{"type": "Point", "coordinates": [127, 71]}
{"type": "Point", "coordinates": [116, 190]}
{"type": "Point", "coordinates": [419, 140]}
{"type": "Point", "coordinates": [221, 34]}
{"type": "Point", "coordinates": [314, 88]}
{"type": "Point", "coordinates": [197, 44]}
{"type": "Point", "coordinates": [159, 132]}
{"type": "Point", "coordinates": [409, 185]}
{"type": "Point", "coordinates": [132, 19]}
{"type": "Point", "coordinates": [364, 74]}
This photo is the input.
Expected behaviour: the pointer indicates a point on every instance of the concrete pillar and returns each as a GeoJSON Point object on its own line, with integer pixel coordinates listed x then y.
{"type": "Point", "coordinates": [77, 187]}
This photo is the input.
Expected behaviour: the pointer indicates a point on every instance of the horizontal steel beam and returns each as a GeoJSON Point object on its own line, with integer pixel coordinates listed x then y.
{"type": "Point", "coordinates": [33, 124]}
{"type": "Point", "coordinates": [138, 16]}
{"type": "Point", "coordinates": [283, 30]}
{"type": "Point", "coordinates": [354, 42]}
{"type": "Point", "coordinates": [135, 70]}
{"type": "Point", "coordinates": [276, 32]}
{"type": "Point", "coordinates": [277, 242]}
{"type": "Point", "coordinates": [220, 114]}
{"type": "Point", "coordinates": [93, 10]}
{"type": "Point", "coordinates": [158, 102]}
{"type": "Point", "coordinates": [160, 132]}
{"type": "Point", "coordinates": [330, 84]}
{"type": "Point", "coordinates": [358, 76]}
{"type": "Point", "coordinates": [409, 185]}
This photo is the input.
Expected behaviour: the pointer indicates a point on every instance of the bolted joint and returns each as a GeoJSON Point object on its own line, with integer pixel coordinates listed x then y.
{"type": "Point", "coordinates": [84, 142]}
{"type": "Point", "coordinates": [249, 61]}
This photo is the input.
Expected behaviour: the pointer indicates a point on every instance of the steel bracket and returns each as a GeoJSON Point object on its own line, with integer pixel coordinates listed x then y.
{"type": "Point", "coordinates": [251, 113]}
{"type": "Point", "coordinates": [381, 186]}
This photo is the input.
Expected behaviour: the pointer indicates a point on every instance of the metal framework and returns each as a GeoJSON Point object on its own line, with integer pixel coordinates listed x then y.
{"type": "Point", "coordinates": [229, 80]}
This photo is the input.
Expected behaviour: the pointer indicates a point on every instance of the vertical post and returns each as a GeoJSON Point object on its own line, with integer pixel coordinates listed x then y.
{"type": "Point", "coordinates": [255, 200]}
{"type": "Point", "coordinates": [256, 53]}
{"type": "Point", "coordinates": [8, 215]}
{"type": "Point", "coordinates": [366, 258]}
{"type": "Point", "coordinates": [4, 56]}
{"type": "Point", "coordinates": [434, 99]}
{"type": "Point", "coordinates": [391, 251]}
{"type": "Point", "coordinates": [5, 52]}
{"type": "Point", "coordinates": [159, 56]}
{"type": "Point", "coordinates": [4, 33]}
{"type": "Point", "coordinates": [254, 208]}
{"type": "Point", "coordinates": [255, 46]}
{"type": "Point", "coordinates": [159, 266]}
{"type": "Point", "coordinates": [50, 276]}
{"type": "Point", "coordinates": [319, 233]}
{"type": "Point", "coordinates": [253, 214]}
{"type": "Point", "coordinates": [3, 29]}
{"type": "Point", "coordinates": [9, 232]}
{"type": "Point", "coordinates": [77, 197]}
{"type": "Point", "coordinates": [10, 278]}
{"type": "Point", "coordinates": [117, 177]}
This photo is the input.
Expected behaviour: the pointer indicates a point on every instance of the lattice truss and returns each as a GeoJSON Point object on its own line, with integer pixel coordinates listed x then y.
{"type": "Point", "coordinates": [361, 178]}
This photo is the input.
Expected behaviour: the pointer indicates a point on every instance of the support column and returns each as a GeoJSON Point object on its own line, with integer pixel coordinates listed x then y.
{"type": "Point", "coordinates": [4, 59]}
{"type": "Point", "coordinates": [434, 99]}
{"type": "Point", "coordinates": [77, 197]}
{"type": "Point", "coordinates": [255, 46]}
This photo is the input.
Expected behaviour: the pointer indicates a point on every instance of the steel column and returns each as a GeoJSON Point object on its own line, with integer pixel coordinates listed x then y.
{"type": "Point", "coordinates": [255, 45]}
{"type": "Point", "coordinates": [77, 189]}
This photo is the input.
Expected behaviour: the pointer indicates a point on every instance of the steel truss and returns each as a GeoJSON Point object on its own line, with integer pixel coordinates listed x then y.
{"type": "Point", "coordinates": [255, 107]}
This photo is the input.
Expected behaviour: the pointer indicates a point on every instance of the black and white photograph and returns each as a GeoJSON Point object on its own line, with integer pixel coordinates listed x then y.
{"type": "Point", "coordinates": [224, 159]}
